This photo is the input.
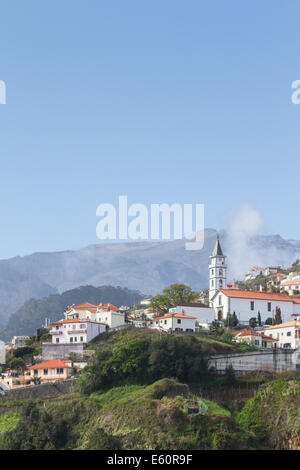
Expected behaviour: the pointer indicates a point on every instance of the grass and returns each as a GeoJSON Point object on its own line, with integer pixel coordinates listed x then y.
{"type": "Point", "coordinates": [8, 421]}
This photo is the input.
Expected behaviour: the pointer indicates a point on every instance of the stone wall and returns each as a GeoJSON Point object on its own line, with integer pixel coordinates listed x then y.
{"type": "Point", "coordinates": [275, 360]}
{"type": "Point", "coordinates": [45, 390]}
{"type": "Point", "coordinates": [61, 351]}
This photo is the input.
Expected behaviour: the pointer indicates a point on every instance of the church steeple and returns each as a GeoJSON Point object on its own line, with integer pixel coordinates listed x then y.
{"type": "Point", "coordinates": [217, 270]}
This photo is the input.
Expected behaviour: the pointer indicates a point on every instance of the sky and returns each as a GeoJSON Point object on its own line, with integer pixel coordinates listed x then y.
{"type": "Point", "coordinates": [162, 101]}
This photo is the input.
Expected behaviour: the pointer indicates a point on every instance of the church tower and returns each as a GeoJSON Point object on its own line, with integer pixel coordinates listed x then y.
{"type": "Point", "coordinates": [217, 270]}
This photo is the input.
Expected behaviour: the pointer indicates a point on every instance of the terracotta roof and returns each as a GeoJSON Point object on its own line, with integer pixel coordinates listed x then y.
{"type": "Point", "coordinates": [285, 325]}
{"type": "Point", "coordinates": [296, 282]}
{"type": "Point", "coordinates": [92, 307]}
{"type": "Point", "coordinates": [57, 363]}
{"type": "Point", "coordinates": [255, 295]}
{"type": "Point", "coordinates": [69, 320]}
{"type": "Point", "coordinates": [175, 315]}
{"type": "Point", "coordinates": [83, 306]}
{"type": "Point", "coordinates": [248, 332]}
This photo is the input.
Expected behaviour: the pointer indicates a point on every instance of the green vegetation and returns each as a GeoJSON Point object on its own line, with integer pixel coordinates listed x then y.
{"type": "Point", "coordinates": [273, 415]}
{"type": "Point", "coordinates": [8, 421]}
{"type": "Point", "coordinates": [171, 296]}
{"type": "Point", "coordinates": [145, 417]}
{"type": "Point", "coordinates": [146, 391]}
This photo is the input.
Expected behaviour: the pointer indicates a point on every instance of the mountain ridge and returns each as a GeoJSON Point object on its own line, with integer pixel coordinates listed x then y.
{"type": "Point", "coordinates": [145, 266]}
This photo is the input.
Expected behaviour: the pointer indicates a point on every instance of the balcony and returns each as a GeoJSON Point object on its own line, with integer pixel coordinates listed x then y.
{"type": "Point", "coordinates": [55, 332]}
{"type": "Point", "coordinates": [77, 331]}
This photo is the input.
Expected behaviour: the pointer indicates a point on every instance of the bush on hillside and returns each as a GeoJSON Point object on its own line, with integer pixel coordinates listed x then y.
{"type": "Point", "coordinates": [143, 361]}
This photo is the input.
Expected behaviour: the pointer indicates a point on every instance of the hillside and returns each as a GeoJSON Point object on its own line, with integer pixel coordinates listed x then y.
{"type": "Point", "coordinates": [33, 313]}
{"type": "Point", "coordinates": [146, 391]}
{"type": "Point", "coordinates": [130, 418]}
{"type": "Point", "coordinates": [144, 266]}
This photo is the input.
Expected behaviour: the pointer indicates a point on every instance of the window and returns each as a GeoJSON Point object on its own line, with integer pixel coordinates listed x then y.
{"type": "Point", "coordinates": [71, 340]}
{"type": "Point", "coordinates": [288, 333]}
{"type": "Point", "coordinates": [178, 321]}
{"type": "Point", "coordinates": [81, 338]}
{"type": "Point", "coordinates": [35, 372]}
{"type": "Point", "coordinates": [59, 371]}
{"type": "Point", "coordinates": [75, 339]}
{"type": "Point", "coordinates": [57, 340]}
{"type": "Point", "coordinates": [252, 305]}
{"type": "Point", "coordinates": [74, 327]}
{"type": "Point", "coordinates": [45, 371]}
{"type": "Point", "coordinates": [220, 300]}
{"type": "Point", "coordinates": [269, 306]}
{"type": "Point", "coordinates": [220, 272]}
{"type": "Point", "coordinates": [165, 322]}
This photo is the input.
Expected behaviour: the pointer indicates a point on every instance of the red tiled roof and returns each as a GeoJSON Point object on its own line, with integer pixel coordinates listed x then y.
{"type": "Point", "coordinates": [245, 294]}
{"type": "Point", "coordinates": [92, 307]}
{"type": "Point", "coordinates": [175, 315]}
{"type": "Point", "coordinates": [69, 320]}
{"type": "Point", "coordinates": [56, 363]}
{"type": "Point", "coordinates": [248, 332]}
{"type": "Point", "coordinates": [296, 282]}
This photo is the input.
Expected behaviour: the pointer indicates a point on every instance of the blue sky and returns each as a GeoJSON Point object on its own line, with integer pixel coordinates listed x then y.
{"type": "Point", "coordinates": [163, 101]}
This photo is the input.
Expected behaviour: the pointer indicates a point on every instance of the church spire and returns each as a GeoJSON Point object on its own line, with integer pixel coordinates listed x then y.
{"type": "Point", "coordinates": [217, 270]}
{"type": "Point", "coordinates": [217, 251]}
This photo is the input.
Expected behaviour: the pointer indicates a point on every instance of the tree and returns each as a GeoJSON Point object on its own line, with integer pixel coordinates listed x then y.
{"type": "Point", "coordinates": [269, 321]}
{"type": "Point", "coordinates": [235, 320]}
{"type": "Point", "coordinates": [278, 318]}
{"type": "Point", "coordinates": [17, 363]}
{"type": "Point", "coordinates": [253, 322]}
{"type": "Point", "coordinates": [230, 378]}
{"type": "Point", "coordinates": [259, 319]}
{"type": "Point", "coordinates": [173, 295]}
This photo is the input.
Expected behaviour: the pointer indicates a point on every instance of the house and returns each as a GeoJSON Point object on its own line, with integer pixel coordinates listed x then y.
{"type": "Point", "coordinates": [272, 270]}
{"type": "Point", "coordinates": [287, 334]}
{"type": "Point", "coordinates": [145, 302]}
{"type": "Point", "coordinates": [110, 315]}
{"type": "Point", "coordinates": [75, 331]}
{"type": "Point", "coordinates": [255, 338]}
{"type": "Point", "coordinates": [247, 304]}
{"type": "Point", "coordinates": [292, 287]}
{"type": "Point", "coordinates": [255, 272]}
{"type": "Point", "coordinates": [102, 313]}
{"type": "Point", "coordinates": [19, 341]}
{"type": "Point", "coordinates": [174, 322]}
{"type": "Point", "coordinates": [52, 370]}
{"type": "Point", "coordinates": [203, 313]}
{"type": "Point", "coordinates": [13, 379]}
{"type": "Point", "coordinates": [70, 336]}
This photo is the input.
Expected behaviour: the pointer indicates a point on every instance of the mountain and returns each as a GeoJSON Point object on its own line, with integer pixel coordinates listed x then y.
{"type": "Point", "coordinates": [33, 313]}
{"type": "Point", "coordinates": [144, 266]}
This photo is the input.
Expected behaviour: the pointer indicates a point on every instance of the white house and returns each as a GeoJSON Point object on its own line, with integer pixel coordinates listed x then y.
{"type": "Point", "coordinates": [204, 314]}
{"type": "Point", "coordinates": [255, 272]}
{"type": "Point", "coordinates": [292, 287]}
{"type": "Point", "coordinates": [174, 322]}
{"type": "Point", "coordinates": [75, 331]}
{"type": "Point", "coordinates": [255, 338]}
{"type": "Point", "coordinates": [287, 334]}
{"type": "Point", "coordinates": [247, 304]}
{"type": "Point", "coordinates": [19, 341]}
{"type": "Point", "coordinates": [102, 313]}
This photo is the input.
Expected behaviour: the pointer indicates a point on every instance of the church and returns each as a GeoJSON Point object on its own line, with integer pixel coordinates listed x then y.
{"type": "Point", "coordinates": [245, 304]}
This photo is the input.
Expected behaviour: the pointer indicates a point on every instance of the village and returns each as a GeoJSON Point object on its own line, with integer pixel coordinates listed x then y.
{"type": "Point", "coordinates": [262, 311]}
